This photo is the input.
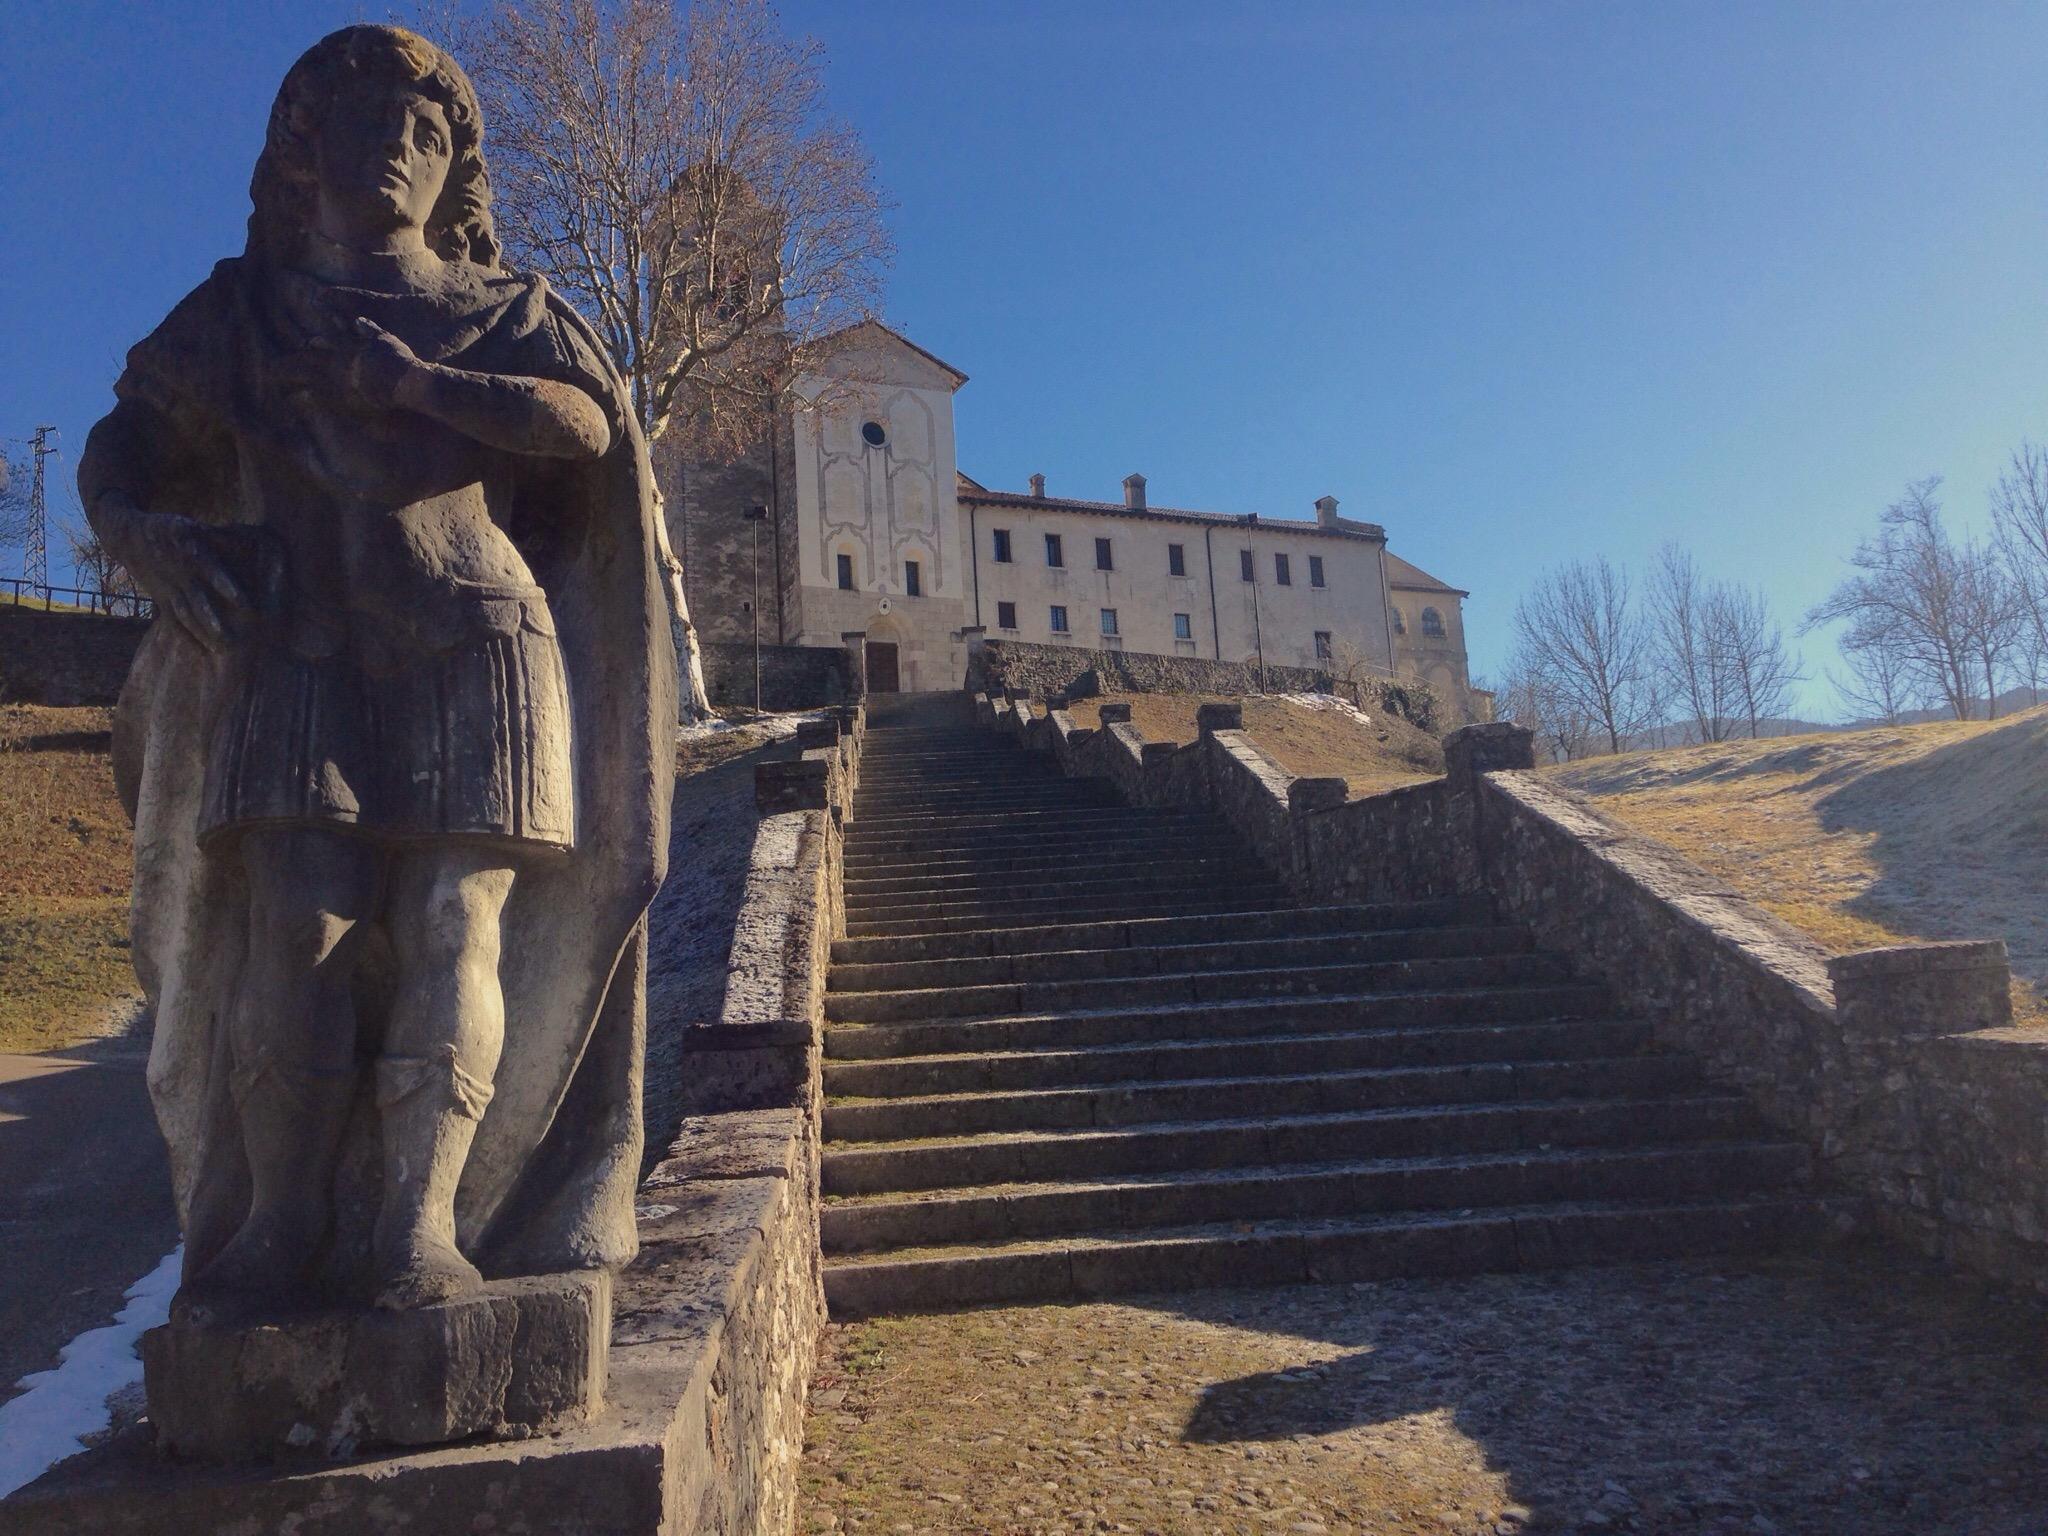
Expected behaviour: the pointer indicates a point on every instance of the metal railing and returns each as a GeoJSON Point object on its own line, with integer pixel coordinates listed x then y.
{"type": "Point", "coordinates": [23, 593]}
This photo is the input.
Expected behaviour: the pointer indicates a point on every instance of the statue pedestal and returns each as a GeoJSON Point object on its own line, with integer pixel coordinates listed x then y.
{"type": "Point", "coordinates": [518, 1358]}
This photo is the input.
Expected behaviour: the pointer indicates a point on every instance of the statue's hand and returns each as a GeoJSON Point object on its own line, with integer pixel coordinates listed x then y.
{"type": "Point", "coordinates": [379, 363]}
{"type": "Point", "coordinates": [180, 568]}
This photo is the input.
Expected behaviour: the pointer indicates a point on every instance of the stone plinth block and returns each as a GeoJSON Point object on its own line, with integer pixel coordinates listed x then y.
{"type": "Point", "coordinates": [520, 1357]}
{"type": "Point", "coordinates": [1219, 717]}
{"type": "Point", "coordinates": [1318, 794]}
{"type": "Point", "coordinates": [1474, 749]}
{"type": "Point", "coordinates": [1115, 714]}
{"type": "Point", "coordinates": [1923, 989]}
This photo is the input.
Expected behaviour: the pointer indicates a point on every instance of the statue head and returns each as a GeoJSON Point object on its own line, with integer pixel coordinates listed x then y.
{"type": "Point", "coordinates": [374, 123]}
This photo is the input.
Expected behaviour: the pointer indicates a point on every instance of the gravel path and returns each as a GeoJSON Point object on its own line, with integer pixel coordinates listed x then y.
{"type": "Point", "coordinates": [1855, 1394]}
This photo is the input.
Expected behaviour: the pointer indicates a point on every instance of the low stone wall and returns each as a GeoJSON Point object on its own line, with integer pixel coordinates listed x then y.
{"type": "Point", "coordinates": [52, 657]}
{"type": "Point", "coordinates": [1898, 1066]}
{"type": "Point", "coordinates": [1049, 671]}
{"type": "Point", "coordinates": [715, 1323]}
{"type": "Point", "coordinates": [792, 676]}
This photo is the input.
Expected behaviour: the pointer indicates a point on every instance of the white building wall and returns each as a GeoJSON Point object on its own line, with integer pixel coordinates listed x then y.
{"type": "Point", "coordinates": [1145, 595]}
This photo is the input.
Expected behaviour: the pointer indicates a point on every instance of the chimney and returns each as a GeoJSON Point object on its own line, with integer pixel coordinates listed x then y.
{"type": "Point", "coordinates": [1038, 486]}
{"type": "Point", "coordinates": [1326, 511]}
{"type": "Point", "coordinates": [1134, 490]}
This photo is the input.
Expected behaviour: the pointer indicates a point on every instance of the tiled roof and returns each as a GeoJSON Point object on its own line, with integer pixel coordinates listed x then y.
{"type": "Point", "coordinates": [1412, 578]}
{"type": "Point", "coordinates": [1348, 530]}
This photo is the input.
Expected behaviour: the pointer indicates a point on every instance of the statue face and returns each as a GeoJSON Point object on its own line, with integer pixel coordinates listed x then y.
{"type": "Point", "coordinates": [382, 159]}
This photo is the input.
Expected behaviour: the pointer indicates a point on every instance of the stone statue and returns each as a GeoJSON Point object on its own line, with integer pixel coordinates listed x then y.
{"type": "Point", "coordinates": [399, 745]}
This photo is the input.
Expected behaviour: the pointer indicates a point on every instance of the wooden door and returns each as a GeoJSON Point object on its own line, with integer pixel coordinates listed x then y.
{"type": "Point", "coordinates": [882, 667]}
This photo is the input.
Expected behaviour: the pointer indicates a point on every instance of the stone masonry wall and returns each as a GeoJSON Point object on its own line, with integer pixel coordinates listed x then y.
{"type": "Point", "coordinates": [65, 658]}
{"type": "Point", "coordinates": [1898, 1066]}
{"type": "Point", "coordinates": [792, 676]}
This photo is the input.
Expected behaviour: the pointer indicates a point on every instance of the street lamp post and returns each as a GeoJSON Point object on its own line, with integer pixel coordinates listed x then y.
{"type": "Point", "coordinates": [757, 516]}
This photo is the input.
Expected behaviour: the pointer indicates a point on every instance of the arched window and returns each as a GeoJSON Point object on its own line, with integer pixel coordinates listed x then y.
{"type": "Point", "coordinates": [1400, 624]}
{"type": "Point", "coordinates": [1432, 624]}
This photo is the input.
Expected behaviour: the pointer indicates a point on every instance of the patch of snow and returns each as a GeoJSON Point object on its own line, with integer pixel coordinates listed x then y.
{"type": "Point", "coordinates": [1331, 702]}
{"type": "Point", "coordinates": [767, 727]}
{"type": "Point", "coordinates": [50, 1420]}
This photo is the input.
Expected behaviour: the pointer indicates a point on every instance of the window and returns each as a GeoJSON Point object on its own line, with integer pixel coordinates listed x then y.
{"type": "Point", "coordinates": [1400, 624]}
{"type": "Point", "coordinates": [1245, 568]}
{"type": "Point", "coordinates": [1282, 572]}
{"type": "Point", "coordinates": [1109, 621]}
{"type": "Point", "coordinates": [1315, 570]}
{"type": "Point", "coordinates": [1006, 615]}
{"type": "Point", "coordinates": [1102, 560]}
{"type": "Point", "coordinates": [846, 573]}
{"type": "Point", "coordinates": [1176, 560]}
{"type": "Point", "coordinates": [1059, 619]}
{"type": "Point", "coordinates": [912, 586]}
{"type": "Point", "coordinates": [1183, 627]}
{"type": "Point", "coordinates": [1002, 546]}
{"type": "Point", "coordinates": [1432, 623]}
{"type": "Point", "coordinates": [1322, 645]}
{"type": "Point", "coordinates": [1054, 555]}
{"type": "Point", "coordinates": [872, 433]}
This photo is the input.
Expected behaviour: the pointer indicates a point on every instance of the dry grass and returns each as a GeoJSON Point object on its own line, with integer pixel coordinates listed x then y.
{"type": "Point", "coordinates": [1371, 752]}
{"type": "Point", "coordinates": [65, 855]}
{"type": "Point", "coordinates": [1861, 838]}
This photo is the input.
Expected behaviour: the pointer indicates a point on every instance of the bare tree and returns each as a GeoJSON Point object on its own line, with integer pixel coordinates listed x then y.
{"type": "Point", "coordinates": [1562, 730]}
{"type": "Point", "coordinates": [1879, 680]}
{"type": "Point", "coordinates": [99, 572]}
{"type": "Point", "coordinates": [1695, 666]}
{"type": "Point", "coordinates": [670, 166]}
{"type": "Point", "coordinates": [1580, 632]}
{"type": "Point", "coordinates": [2019, 520]}
{"type": "Point", "coordinates": [1913, 588]}
{"type": "Point", "coordinates": [14, 479]}
{"type": "Point", "coordinates": [1750, 650]}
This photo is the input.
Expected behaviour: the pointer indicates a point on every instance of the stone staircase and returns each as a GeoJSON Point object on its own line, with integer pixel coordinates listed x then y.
{"type": "Point", "coordinates": [1075, 1048]}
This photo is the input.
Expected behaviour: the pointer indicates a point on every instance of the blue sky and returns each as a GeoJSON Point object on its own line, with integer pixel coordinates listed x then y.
{"type": "Point", "coordinates": [1520, 281]}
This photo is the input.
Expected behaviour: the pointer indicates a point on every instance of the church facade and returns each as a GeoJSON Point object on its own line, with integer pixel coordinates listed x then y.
{"type": "Point", "coordinates": [874, 539]}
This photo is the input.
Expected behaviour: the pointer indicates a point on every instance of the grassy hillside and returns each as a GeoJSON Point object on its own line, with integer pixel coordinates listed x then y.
{"type": "Point", "coordinates": [65, 855]}
{"type": "Point", "coordinates": [1310, 735]}
{"type": "Point", "coordinates": [1936, 831]}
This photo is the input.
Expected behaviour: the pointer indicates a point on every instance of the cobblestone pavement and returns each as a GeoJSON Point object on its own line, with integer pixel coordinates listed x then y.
{"type": "Point", "coordinates": [1856, 1393]}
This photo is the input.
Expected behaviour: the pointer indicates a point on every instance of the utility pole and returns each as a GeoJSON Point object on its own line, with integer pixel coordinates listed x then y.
{"type": "Point", "coordinates": [37, 555]}
{"type": "Point", "coordinates": [757, 516]}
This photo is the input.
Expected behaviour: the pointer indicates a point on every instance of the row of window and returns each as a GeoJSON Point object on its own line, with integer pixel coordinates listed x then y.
{"type": "Point", "coordinates": [913, 577]}
{"type": "Point", "coordinates": [1183, 625]}
{"type": "Point", "coordinates": [1176, 559]}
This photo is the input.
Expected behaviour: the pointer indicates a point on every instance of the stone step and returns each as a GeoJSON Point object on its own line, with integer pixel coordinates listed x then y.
{"type": "Point", "coordinates": [1022, 823]}
{"type": "Point", "coordinates": [1085, 828]}
{"type": "Point", "coordinates": [1217, 1021]}
{"type": "Point", "coordinates": [1167, 989]}
{"type": "Point", "coordinates": [1094, 902]}
{"type": "Point", "coordinates": [1086, 887]}
{"type": "Point", "coordinates": [977, 792]}
{"type": "Point", "coordinates": [1229, 954]}
{"type": "Point", "coordinates": [1405, 1131]}
{"type": "Point", "coordinates": [1140, 933]}
{"type": "Point", "coordinates": [1296, 1252]}
{"type": "Point", "coordinates": [1285, 1055]}
{"type": "Point", "coordinates": [1008, 1213]}
{"type": "Point", "coordinates": [1053, 874]}
{"type": "Point", "coordinates": [1135, 848]}
{"type": "Point", "coordinates": [1234, 1098]}
{"type": "Point", "coordinates": [965, 922]}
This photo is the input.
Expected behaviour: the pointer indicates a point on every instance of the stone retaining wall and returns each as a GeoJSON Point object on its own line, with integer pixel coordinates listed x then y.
{"type": "Point", "coordinates": [1898, 1066]}
{"type": "Point", "coordinates": [792, 676]}
{"type": "Point", "coordinates": [52, 657]}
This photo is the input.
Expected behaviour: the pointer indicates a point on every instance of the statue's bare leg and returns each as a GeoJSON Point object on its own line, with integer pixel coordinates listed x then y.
{"type": "Point", "coordinates": [292, 1036]}
{"type": "Point", "coordinates": [441, 1049]}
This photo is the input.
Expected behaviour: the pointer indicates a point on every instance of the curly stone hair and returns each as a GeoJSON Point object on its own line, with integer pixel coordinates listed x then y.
{"type": "Point", "coordinates": [284, 185]}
